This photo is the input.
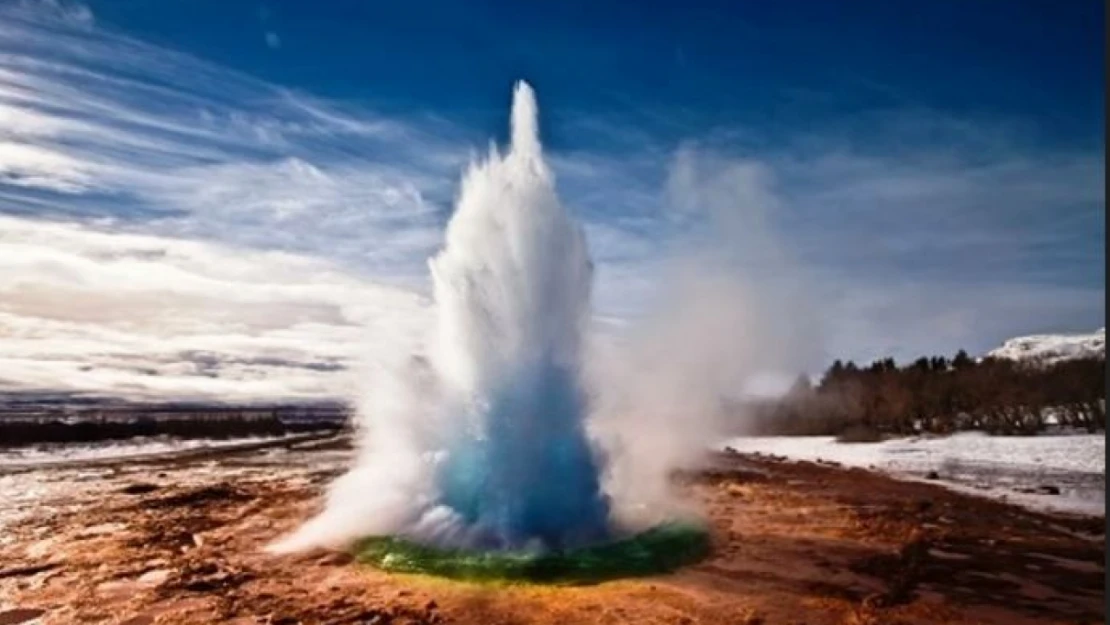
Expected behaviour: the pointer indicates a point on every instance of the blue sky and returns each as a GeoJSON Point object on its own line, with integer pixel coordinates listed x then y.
{"type": "Point", "coordinates": [929, 174]}
{"type": "Point", "coordinates": [702, 64]}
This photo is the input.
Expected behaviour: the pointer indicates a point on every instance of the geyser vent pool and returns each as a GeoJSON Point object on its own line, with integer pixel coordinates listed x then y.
{"type": "Point", "coordinates": [657, 550]}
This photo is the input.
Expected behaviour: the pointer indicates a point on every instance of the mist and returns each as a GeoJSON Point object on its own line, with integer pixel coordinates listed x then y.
{"type": "Point", "coordinates": [732, 307]}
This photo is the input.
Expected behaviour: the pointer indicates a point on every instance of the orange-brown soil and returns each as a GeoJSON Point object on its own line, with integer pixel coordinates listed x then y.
{"type": "Point", "coordinates": [794, 543]}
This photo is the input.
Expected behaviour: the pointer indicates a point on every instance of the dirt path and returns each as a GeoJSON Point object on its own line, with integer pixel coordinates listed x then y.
{"type": "Point", "coordinates": [794, 543]}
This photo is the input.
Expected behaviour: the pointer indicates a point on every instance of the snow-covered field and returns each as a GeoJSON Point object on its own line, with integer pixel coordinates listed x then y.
{"type": "Point", "coordinates": [47, 454]}
{"type": "Point", "coordinates": [1019, 469]}
{"type": "Point", "coordinates": [995, 466]}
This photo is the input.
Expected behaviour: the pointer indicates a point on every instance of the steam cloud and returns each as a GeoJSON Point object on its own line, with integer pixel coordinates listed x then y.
{"type": "Point", "coordinates": [514, 431]}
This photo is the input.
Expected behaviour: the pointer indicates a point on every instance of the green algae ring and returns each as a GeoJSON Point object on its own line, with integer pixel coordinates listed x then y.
{"type": "Point", "coordinates": [658, 550]}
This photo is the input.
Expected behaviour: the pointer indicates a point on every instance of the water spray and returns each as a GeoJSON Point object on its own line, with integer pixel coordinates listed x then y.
{"type": "Point", "coordinates": [478, 463]}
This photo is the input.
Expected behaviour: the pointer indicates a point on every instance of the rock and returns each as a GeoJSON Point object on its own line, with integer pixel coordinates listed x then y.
{"type": "Point", "coordinates": [1044, 489]}
{"type": "Point", "coordinates": [221, 493]}
{"type": "Point", "coordinates": [142, 619]}
{"type": "Point", "coordinates": [155, 577]}
{"type": "Point", "coordinates": [19, 615]}
{"type": "Point", "coordinates": [874, 601]}
{"type": "Point", "coordinates": [335, 558]}
{"type": "Point", "coordinates": [431, 605]}
{"type": "Point", "coordinates": [209, 576]}
{"type": "Point", "coordinates": [139, 488]}
{"type": "Point", "coordinates": [42, 548]}
{"type": "Point", "coordinates": [932, 475]}
{"type": "Point", "coordinates": [24, 571]}
{"type": "Point", "coordinates": [115, 589]}
{"type": "Point", "coordinates": [102, 529]}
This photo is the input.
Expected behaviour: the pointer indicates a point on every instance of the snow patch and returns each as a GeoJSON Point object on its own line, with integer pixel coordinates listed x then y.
{"type": "Point", "coordinates": [1002, 467]}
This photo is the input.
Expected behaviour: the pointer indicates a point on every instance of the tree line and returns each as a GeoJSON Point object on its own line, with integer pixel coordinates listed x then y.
{"type": "Point", "coordinates": [940, 395]}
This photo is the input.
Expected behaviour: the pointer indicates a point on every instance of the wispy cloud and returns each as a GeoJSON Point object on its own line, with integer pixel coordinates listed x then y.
{"type": "Point", "coordinates": [100, 125]}
{"type": "Point", "coordinates": [73, 13]}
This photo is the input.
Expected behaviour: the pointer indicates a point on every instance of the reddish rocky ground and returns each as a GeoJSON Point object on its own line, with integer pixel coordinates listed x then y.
{"type": "Point", "coordinates": [181, 542]}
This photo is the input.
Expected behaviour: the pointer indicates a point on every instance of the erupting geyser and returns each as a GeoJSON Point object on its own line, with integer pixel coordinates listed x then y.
{"type": "Point", "coordinates": [482, 447]}
{"type": "Point", "coordinates": [512, 288]}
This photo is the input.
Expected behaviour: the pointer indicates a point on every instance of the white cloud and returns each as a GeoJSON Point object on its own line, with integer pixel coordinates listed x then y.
{"type": "Point", "coordinates": [25, 165]}
{"type": "Point", "coordinates": [151, 316]}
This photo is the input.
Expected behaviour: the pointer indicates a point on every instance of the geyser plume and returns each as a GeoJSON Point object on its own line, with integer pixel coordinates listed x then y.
{"type": "Point", "coordinates": [484, 443]}
{"type": "Point", "coordinates": [513, 286]}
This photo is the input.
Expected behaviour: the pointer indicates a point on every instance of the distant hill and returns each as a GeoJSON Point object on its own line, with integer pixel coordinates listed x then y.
{"type": "Point", "coordinates": [1053, 348]}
